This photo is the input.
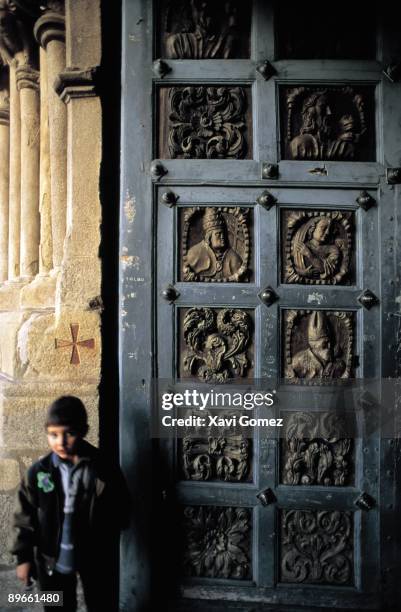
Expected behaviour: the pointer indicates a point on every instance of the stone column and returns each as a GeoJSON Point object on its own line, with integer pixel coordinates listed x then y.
{"type": "Point", "coordinates": [49, 32]}
{"type": "Point", "coordinates": [4, 182]}
{"type": "Point", "coordinates": [28, 86]}
{"type": "Point", "coordinates": [45, 248]}
{"type": "Point", "coordinates": [15, 175]}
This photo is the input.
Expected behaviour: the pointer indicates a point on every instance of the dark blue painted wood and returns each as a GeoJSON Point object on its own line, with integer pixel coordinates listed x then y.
{"type": "Point", "coordinates": [148, 326]}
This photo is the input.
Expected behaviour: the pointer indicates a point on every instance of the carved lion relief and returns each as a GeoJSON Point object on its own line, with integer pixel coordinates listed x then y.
{"type": "Point", "coordinates": [217, 542]}
{"type": "Point", "coordinates": [317, 547]}
{"type": "Point", "coordinates": [318, 344]}
{"type": "Point", "coordinates": [318, 247]}
{"type": "Point", "coordinates": [216, 343]}
{"type": "Point", "coordinates": [314, 451]}
{"type": "Point", "coordinates": [205, 122]}
{"type": "Point", "coordinates": [215, 244]}
{"type": "Point", "coordinates": [328, 123]}
{"type": "Point", "coordinates": [224, 455]}
{"type": "Point", "coordinates": [205, 29]}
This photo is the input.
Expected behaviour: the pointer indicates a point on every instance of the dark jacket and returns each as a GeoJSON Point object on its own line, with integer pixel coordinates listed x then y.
{"type": "Point", "coordinates": [101, 510]}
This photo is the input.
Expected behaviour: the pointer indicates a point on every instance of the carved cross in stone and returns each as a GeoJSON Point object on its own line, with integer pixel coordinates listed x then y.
{"type": "Point", "coordinates": [75, 357]}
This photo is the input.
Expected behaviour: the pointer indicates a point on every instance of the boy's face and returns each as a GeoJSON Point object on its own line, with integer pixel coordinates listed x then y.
{"type": "Point", "coordinates": [63, 440]}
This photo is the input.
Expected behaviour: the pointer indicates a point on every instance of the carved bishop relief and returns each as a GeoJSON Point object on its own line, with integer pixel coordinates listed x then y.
{"type": "Point", "coordinates": [205, 29]}
{"type": "Point", "coordinates": [217, 542]}
{"type": "Point", "coordinates": [318, 344]}
{"type": "Point", "coordinates": [205, 122]}
{"type": "Point", "coordinates": [215, 244]}
{"type": "Point", "coordinates": [216, 344]}
{"type": "Point", "coordinates": [315, 451]}
{"type": "Point", "coordinates": [224, 455]}
{"type": "Point", "coordinates": [318, 247]}
{"type": "Point", "coordinates": [328, 123]}
{"type": "Point", "coordinates": [317, 547]}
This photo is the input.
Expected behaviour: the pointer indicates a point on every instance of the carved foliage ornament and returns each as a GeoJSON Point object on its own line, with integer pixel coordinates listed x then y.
{"type": "Point", "coordinates": [207, 122]}
{"type": "Point", "coordinates": [317, 547]}
{"type": "Point", "coordinates": [216, 455]}
{"type": "Point", "coordinates": [215, 244]}
{"type": "Point", "coordinates": [216, 343]}
{"type": "Point", "coordinates": [318, 247]}
{"type": "Point", "coordinates": [314, 451]}
{"type": "Point", "coordinates": [318, 344]}
{"type": "Point", "coordinates": [217, 542]}
{"type": "Point", "coordinates": [327, 123]}
{"type": "Point", "coordinates": [206, 29]}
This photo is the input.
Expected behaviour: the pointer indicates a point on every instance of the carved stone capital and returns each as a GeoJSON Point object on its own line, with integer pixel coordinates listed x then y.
{"type": "Point", "coordinates": [4, 116]}
{"type": "Point", "coordinates": [76, 83]}
{"type": "Point", "coordinates": [27, 77]}
{"type": "Point", "coordinates": [50, 26]}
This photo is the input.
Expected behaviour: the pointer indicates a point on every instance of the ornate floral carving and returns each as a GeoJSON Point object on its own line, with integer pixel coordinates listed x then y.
{"type": "Point", "coordinates": [328, 123]}
{"type": "Point", "coordinates": [207, 122]}
{"type": "Point", "coordinates": [318, 247]}
{"type": "Point", "coordinates": [318, 344]}
{"type": "Point", "coordinates": [217, 343]}
{"type": "Point", "coordinates": [215, 244]}
{"type": "Point", "coordinates": [317, 547]}
{"type": "Point", "coordinates": [217, 542]}
{"type": "Point", "coordinates": [216, 454]}
{"type": "Point", "coordinates": [206, 29]}
{"type": "Point", "coordinates": [314, 451]}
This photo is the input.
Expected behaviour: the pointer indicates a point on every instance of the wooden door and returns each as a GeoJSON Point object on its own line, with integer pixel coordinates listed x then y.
{"type": "Point", "coordinates": [259, 190]}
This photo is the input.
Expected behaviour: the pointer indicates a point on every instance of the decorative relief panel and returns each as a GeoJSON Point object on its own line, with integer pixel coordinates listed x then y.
{"type": "Point", "coordinates": [317, 547]}
{"type": "Point", "coordinates": [205, 29]}
{"type": "Point", "coordinates": [318, 344]}
{"type": "Point", "coordinates": [217, 542]}
{"type": "Point", "coordinates": [328, 123]}
{"type": "Point", "coordinates": [314, 451]}
{"type": "Point", "coordinates": [216, 453]}
{"type": "Point", "coordinates": [215, 244]}
{"type": "Point", "coordinates": [307, 34]}
{"type": "Point", "coordinates": [216, 344]}
{"type": "Point", "coordinates": [205, 122]}
{"type": "Point", "coordinates": [318, 247]}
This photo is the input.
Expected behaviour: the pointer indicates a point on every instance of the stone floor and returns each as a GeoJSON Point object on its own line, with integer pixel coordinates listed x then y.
{"type": "Point", "coordinates": [10, 584]}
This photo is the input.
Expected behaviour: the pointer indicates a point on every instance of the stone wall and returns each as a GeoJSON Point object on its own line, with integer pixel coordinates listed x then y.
{"type": "Point", "coordinates": [50, 155]}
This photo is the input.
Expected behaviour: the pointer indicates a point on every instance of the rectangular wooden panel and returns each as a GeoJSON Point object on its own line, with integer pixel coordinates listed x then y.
{"type": "Point", "coordinates": [216, 344]}
{"type": "Point", "coordinates": [216, 244]}
{"type": "Point", "coordinates": [317, 547]}
{"type": "Point", "coordinates": [318, 247]}
{"type": "Point", "coordinates": [205, 122]}
{"type": "Point", "coordinates": [204, 29]}
{"type": "Point", "coordinates": [327, 122]}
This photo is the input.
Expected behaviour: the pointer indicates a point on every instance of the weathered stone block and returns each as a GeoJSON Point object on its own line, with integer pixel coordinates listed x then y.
{"type": "Point", "coordinates": [9, 474]}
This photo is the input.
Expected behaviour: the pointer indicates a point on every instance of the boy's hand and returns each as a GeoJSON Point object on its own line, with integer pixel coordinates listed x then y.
{"type": "Point", "coordinates": [24, 572]}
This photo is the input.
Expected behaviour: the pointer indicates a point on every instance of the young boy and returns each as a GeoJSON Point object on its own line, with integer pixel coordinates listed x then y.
{"type": "Point", "coordinates": [70, 507]}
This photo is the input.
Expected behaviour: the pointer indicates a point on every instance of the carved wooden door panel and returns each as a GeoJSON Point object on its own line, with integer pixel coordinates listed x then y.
{"type": "Point", "coordinates": [257, 246]}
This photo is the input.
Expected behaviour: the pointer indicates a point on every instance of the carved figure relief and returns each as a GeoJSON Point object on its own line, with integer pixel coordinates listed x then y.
{"type": "Point", "coordinates": [205, 29]}
{"type": "Point", "coordinates": [328, 123]}
{"type": "Point", "coordinates": [206, 123]}
{"type": "Point", "coordinates": [215, 244]}
{"type": "Point", "coordinates": [318, 247]}
{"type": "Point", "coordinates": [217, 542]}
{"type": "Point", "coordinates": [216, 455]}
{"type": "Point", "coordinates": [318, 344]}
{"type": "Point", "coordinates": [314, 451]}
{"type": "Point", "coordinates": [317, 547]}
{"type": "Point", "coordinates": [217, 343]}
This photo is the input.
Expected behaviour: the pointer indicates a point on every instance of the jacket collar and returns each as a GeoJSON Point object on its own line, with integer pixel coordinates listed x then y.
{"type": "Point", "coordinates": [87, 452]}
